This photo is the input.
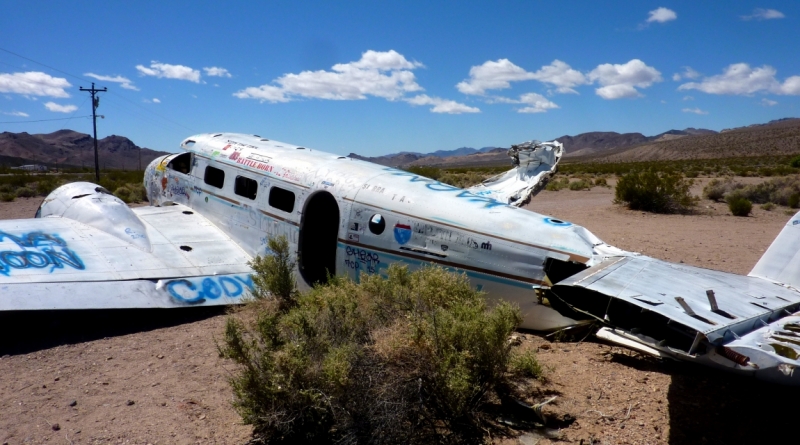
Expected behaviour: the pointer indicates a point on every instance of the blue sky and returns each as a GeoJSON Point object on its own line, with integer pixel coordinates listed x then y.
{"type": "Point", "coordinates": [376, 77]}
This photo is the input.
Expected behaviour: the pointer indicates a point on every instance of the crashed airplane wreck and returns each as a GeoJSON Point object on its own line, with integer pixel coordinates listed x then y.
{"type": "Point", "coordinates": [214, 206]}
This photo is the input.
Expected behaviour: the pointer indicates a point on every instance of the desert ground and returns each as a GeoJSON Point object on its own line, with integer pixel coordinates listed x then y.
{"type": "Point", "coordinates": [140, 377]}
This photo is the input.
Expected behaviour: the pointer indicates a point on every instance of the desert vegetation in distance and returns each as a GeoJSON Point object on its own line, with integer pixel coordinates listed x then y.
{"type": "Point", "coordinates": [126, 185]}
{"type": "Point", "coordinates": [413, 357]}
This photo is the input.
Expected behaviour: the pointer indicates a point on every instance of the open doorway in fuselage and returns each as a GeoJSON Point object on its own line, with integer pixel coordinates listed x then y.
{"type": "Point", "coordinates": [319, 231]}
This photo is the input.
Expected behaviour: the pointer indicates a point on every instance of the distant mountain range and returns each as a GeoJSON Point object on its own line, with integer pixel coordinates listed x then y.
{"type": "Point", "coordinates": [598, 145]}
{"type": "Point", "coordinates": [72, 149]}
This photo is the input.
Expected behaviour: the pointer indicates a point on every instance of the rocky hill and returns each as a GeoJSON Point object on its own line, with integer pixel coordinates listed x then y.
{"type": "Point", "coordinates": [781, 137]}
{"type": "Point", "coordinates": [70, 148]}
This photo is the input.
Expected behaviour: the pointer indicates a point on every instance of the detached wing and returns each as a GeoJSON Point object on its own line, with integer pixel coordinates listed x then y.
{"type": "Point", "coordinates": [162, 257]}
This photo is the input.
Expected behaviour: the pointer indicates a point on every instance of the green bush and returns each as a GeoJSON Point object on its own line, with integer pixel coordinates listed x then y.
{"type": "Point", "coordinates": [601, 182]}
{"type": "Point", "coordinates": [527, 365]}
{"type": "Point", "coordinates": [7, 197]}
{"type": "Point", "coordinates": [654, 192]}
{"type": "Point", "coordinates": [795, 162]}
{"type": "Point", "coordinates": [25, 192]}
{"type": "Point", "coordinates": [581, 184]}
{"type": "Point", "coordinates": [274, 274]}
{"type": "Point", "coordinates": [794, 201]}
{"type": "Point", "coordinates": [410, 358]}
{"type": "Point", "coordinates": [739, 205]}
{"type": "Point", "coordinates": [716, 189]}
{"type": "Point", "coordinates": [123, 193]}
{"type": "Point", "coordinates": [428, 172]}
{"type": "Point", "coordinates": [768, 206]}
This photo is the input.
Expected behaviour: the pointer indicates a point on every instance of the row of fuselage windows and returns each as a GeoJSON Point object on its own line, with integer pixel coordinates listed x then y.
{"type": "Point", "coordinates": [279, 198]}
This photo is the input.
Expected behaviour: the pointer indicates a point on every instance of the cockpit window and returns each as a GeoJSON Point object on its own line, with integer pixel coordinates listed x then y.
{"type": "Point", "coordinates": [181, 163]}
{"type": "Point", "coordinates": [214, 177]}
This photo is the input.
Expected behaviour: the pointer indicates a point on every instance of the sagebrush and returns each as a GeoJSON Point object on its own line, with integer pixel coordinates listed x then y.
{"type": "Point", "coordinates": [656, 192]}
{"type": "Point", "coordinates": [410, 358]}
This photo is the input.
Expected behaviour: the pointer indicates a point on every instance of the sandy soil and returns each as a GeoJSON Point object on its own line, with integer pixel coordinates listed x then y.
{"type": "Point", "coordinates": [144, 377]}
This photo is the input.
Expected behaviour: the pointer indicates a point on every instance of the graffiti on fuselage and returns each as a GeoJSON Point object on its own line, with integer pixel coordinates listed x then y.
{"type": "Point", "coordinates": [37, 250]}
{"type": "Point", "coordinates": [437, 186]}
{"type": "Point", "coordinates": [362, 260]}
{"type": "Point", "coordinates": [198, 290]}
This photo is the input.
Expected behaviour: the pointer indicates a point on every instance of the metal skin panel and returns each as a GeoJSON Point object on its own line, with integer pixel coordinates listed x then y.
{"type": "Point", "coordinates": [781, 262]}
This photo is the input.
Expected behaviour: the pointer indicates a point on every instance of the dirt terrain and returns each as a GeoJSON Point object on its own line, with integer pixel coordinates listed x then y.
{"type": "Point", "coordinates": [141, 377]}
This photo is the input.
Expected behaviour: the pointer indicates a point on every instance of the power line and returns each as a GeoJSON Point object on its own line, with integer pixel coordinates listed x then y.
{"type": "Point", "coordinates": [83, 79]}
{"type": "Point", "coordinates": [45, 120]}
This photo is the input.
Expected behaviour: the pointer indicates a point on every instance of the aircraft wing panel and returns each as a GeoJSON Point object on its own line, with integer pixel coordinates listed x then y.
{"type": "Point", "coordinates": [60, 249]}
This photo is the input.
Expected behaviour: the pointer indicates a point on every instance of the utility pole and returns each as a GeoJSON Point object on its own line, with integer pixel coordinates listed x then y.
{"type": "Point", "coordinates": [95, 104]}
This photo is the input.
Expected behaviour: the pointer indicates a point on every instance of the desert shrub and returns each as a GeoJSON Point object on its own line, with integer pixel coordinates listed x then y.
{"type": "Point", "coordinates": [428, 172]}
{"type": "Point", "coordinates": [654, 192]}
{"type": "Point", "coordinates": [25, 192]}
{"type": "Point", "coordinates": [794, 201]}
{"type": "Point", "coordinates": [581, 184]}
{"type": "Point", "coordinates": [767, 206]}
{"type": "Point", "coordinates": [527, 365]}
{"type": "Point", "coordinates": [137, 192]}
{"type": "Point", "coordinates": [6, 188]}
{"type": "Point", "coordinates": [554, 186]}
{"type": "Point", "coordinates": [739, 205]}
{"type": "Point", "coordinates": [46, 185]}
{"type": "Point", "coordinates": [410, 358]}
{"type": "Point", "coordinates": [601, 182]}
{"type": "Point", "coordinates": [7, 197]}
{"type": "Point", "coordinates": [795, 162]}
{"type": "Point", "coordinates": [123, 193]}
{"type": "Point", "coordinates": [463, 179]}
{"type": "Point", "coordinates": [692, 174]}
{"type": "Point", "coordinates": [776, 190]}
{"type": "Point", "coordinates": [716, 189]}
{"type": "Point", "coordinates": [274, 274]}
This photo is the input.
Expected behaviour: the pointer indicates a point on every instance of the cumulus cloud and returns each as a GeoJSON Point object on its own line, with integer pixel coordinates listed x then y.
{"type": "Point", "coordinates": [33, 83]}
{"type": "Point", "coordinates": [688, 73]}
{"type": "Point", "coordinates": [56, 108]}
{"type": "Point", "coordinates": [497, 75]}
{"type": "Point", "coordinates": [124, 82]}
{"type": "Point", "coordinates": [661, 15]}
{"type": "Point", "coordinates": [156, 100]}
{"type": "Point", "coordinates": [379, 74]}
{"type": "Point", "coordinates": [764, 14]}
{"type": "Point", "coordinates": [741, 79]}
{"type": "Point", "coordinates": [536, 103]}
{"type": "Point", "coordinates": [442, 105]}
{"type": "Point", "coordinates": [16, 113]}
{"type": "Point", "coordinates": [167, 71]}
{"type": "Point", "coordinates": [694, 110]}
{"type": "Point", "coordinates": [768, 103]}
{"type": "Point", "coordinates": [619, 81]}
{"type": "Point", "coordinates": [215, 71]}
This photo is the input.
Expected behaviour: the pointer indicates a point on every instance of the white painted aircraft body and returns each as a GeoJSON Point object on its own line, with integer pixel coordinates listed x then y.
{"type": "Point", "coordinates": [215, 206]}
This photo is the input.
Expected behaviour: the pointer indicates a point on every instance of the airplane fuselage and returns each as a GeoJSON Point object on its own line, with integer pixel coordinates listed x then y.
{"type": "Point", "coordinates": [348, 217]}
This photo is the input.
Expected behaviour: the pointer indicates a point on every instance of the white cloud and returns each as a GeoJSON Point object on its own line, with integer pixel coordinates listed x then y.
{"type": "Point", "coordinates": [33, 83]}
{"type": "Point", "coordinates": [167, 71]}
{"type": "Point", "coordinates": [688, 97]}
{"type": "Point", "coordinates": [688, 73]}
{"type": "Point", "coordinates": [56, 108]}
{"type": "Point", "coordinates": [16, 113]}
{"type": "Point", "coordinates": [123, 81]}
{"type": "Point", "coordinates": [741, 79]}
{"type": "Point", "coordinates": [764, 14]}
{"type": "Point", "coordinates": [768, 103]}
{"type": "Point", "coordinates": [442, 105]}
{"type": "Point", "coordinates": [536, 103]}
{"type": "Point", "coordinates": [156, 100]}
{"type": "Point", "coordinates": [619, 81]}
{"type": "Point", "coordinates": [694, 110]}
{"type": "Point", "coordinates": [497, 75]}
{"type": "Point", "coordinates": [379, 74]}
{"type": "Point", "coordinates": [215, 71]}
{"type": "Point", "coordinates": [661, 15]}
{"type": "Point", "coordinates": [492, 76]}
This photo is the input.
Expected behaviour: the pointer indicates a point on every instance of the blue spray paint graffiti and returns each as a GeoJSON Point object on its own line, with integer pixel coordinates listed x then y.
{"type": "Point", "coordinates": [437, 186]}
{"type": "Point", "coordinates": [47, 250]}
{"type": "Point", "coordinates": [198, 290]}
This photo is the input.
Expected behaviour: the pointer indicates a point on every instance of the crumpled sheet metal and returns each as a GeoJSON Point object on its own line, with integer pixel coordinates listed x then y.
{"type": "Point", "coordinates": [534, 163]}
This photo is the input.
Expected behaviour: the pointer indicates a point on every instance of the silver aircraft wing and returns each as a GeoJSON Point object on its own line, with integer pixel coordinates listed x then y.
{"type": "Point", "coordinates": [742, 323]}
{"type": "Point", "coordinates": [100, 254]}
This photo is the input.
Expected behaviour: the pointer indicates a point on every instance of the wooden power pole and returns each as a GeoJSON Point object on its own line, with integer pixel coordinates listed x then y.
{"type": "Point", "coordinates": [95, 104]}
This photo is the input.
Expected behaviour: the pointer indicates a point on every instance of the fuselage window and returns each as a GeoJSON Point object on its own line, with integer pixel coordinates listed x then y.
{"type": "Point", "coordinates": [181, 163]}
{"type": "Point", "coordinates": [245, 187]}
{"type": "Point", "coordinates": [377, 224]}
{"type": "Point", "coordinates": [281, 199]}
{"type": "Point", "coordinates": [214, 177]}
